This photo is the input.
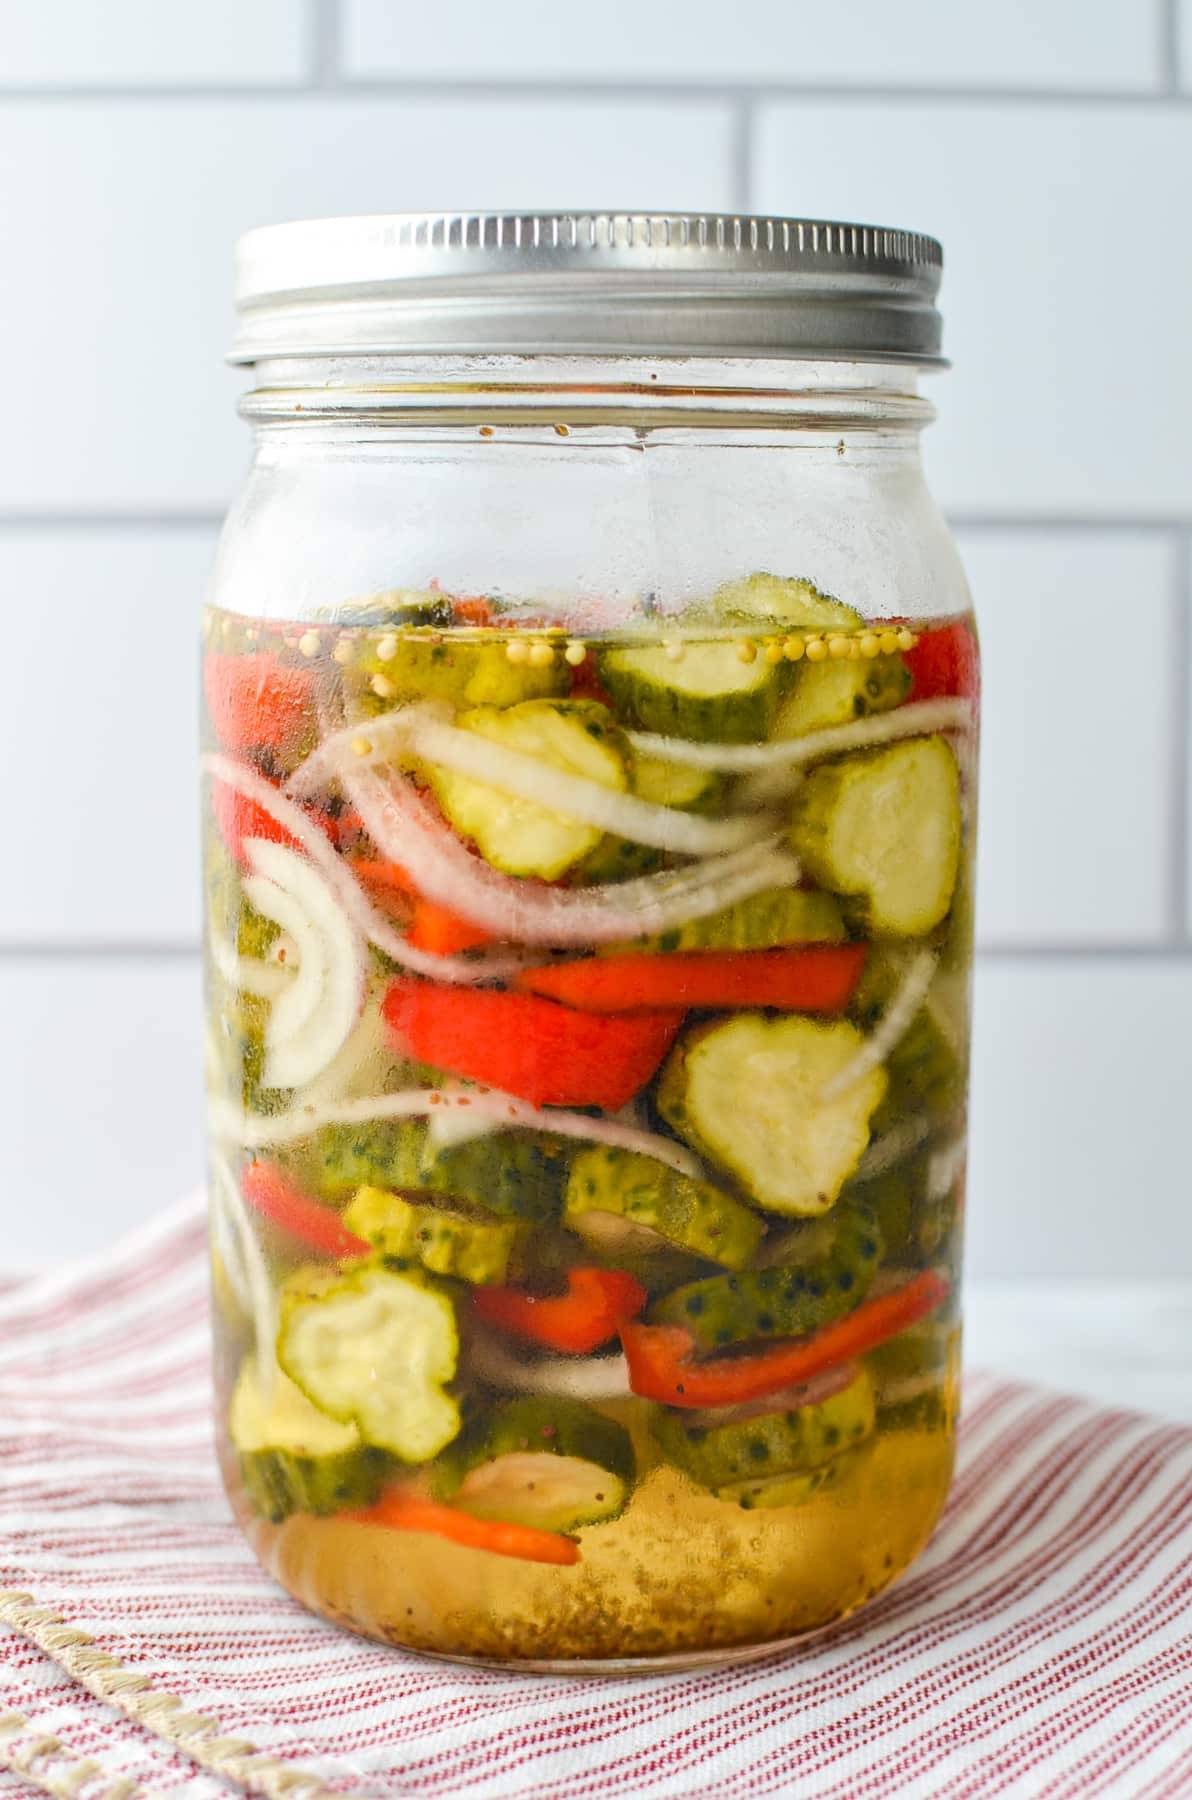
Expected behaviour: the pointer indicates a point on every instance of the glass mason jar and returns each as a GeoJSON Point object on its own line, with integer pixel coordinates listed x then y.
{"type": "Point", "coordinates": [589, 772]}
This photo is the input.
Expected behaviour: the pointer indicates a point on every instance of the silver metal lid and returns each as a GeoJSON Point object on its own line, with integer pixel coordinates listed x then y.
{"type": "Point", "coordinates": [671, 284]}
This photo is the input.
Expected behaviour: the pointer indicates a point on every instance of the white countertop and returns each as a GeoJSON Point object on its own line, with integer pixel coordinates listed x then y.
{"type": "Point", "coordinates": [1125, 1344]}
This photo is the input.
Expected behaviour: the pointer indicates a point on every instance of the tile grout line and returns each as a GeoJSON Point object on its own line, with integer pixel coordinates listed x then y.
{"type": "Point", "coordinates": [149, 518]}
{"type": "Point", "coordinates": [1180, 847]}
{"type": "Point", "coordinates": [324, 25]}
{"type": "Point", "coordinates": [741, 155]}
{"type": "Point", "coordinates": [544, 89]}
{"type": "Point", "coordinates": [1169, 45]}
{"type": "Point", "coordinates": [118, 519]}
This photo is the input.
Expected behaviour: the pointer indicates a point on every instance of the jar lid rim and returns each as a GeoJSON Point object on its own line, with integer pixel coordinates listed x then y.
{"type": "Point", "coordinates": [716, 284]}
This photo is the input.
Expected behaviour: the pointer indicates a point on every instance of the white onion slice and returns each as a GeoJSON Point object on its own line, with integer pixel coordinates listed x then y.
{"type": "Point", "coordinates": [310, 1023]}
{"type": "Point", "coordinates": [915, 720]}
{"type": "Point", "coordinates": [255, 1131]}
{"type": "Point", "coordinates": [300, 1001]}
{"type": "Point", "coordinates": [288, 814]}
{"type": "Point", "coordinates": [891, 1148]}
{"type": "Point", "coordinates": [573, 1377]}
{"type": "Point", "coordinates": [426, 735]}
{"type": "Point", "coordinates": [406, 830]}
{"type": "Point", "coordinates": [250, 974]}
{"type": "Point", "coordinates": [246, 1266]}
{"type": "Point", "coordinates": [943, 1167]}
{"type": "Point", "coordinates": [908, 998]}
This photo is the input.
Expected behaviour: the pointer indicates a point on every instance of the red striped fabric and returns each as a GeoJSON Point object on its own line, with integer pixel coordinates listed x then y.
{"type": "Point", "coordinates": [1041, 1647]}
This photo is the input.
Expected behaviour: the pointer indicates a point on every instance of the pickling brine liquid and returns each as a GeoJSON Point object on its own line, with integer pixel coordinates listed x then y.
{"type": "Point", "coordinates": [587, 1059]}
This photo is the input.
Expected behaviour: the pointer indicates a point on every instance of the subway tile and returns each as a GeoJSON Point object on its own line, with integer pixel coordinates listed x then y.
{"type": "Point", "coordinates": [77, 43]}
{"type": "Point", "coordinates": [122, 312]}
{"type": "Point", "coordinates": [101, 646]}
{"type": "Point", "coordinates": [1077, 761]}
{"type": "Point", "coordinates": [1079, 1133]}
{"type": "Point", "coordinates": [1064, 284]}
{"type": "Point", "coordinates": [920, 43]}
{"type": "Point", "coordinates": [100, 1065]}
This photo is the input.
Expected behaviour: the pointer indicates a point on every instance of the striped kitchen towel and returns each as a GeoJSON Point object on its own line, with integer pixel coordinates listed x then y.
{"type": "Point", "coordinates": [1041, 1647]}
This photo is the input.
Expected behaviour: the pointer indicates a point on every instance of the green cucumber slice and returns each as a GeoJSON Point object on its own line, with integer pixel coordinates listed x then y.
{"type": "Point", "coordinates": [552, 1463]}
{"type": "Point", "coordinates": [933, 1410]}
{"type": "Point", "coordinates": [708, 693]}
{"type": "Point", "coordinates": [883, 828]}
{"type": "Point", "coordinates": [915, 1224]}
{"type": "Point", "coordinates": [667, 783]}
{"type": "Point", "coordinates": [785, 1300]}
{"type": "Point", "coordinates": [510, 1174]}
{"type": "Point", "coordinates": [294, 1458]}
{"type": "Point", "coordinates": [786, 600]}
{"type": "Point", "coordinates": [833, 693]}
{"type": "Point", "coordinates": [419, 665]}
{"type": "Point", "coordinates": [445, 1243]}
{"type": "Point", "coordinates": [376, 1348]}
{"type": "Point", "coordinates": [522, 837]}
{"type": "Point", "coordinates": [747, 1094]}
{"type": "Point", "coordinates": [796, 1489]}
{"type": "Point", "coordinates": [623, 1203]}
{"type": "Point", "coordinates": [926, 1075]}
{"type": "Point", "coordinates": [764, 921]}
{"type": "Point", "coordinates": [721, 1449]}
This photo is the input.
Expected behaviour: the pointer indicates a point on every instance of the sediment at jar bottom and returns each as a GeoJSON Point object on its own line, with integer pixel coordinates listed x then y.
{"type": "Point", "coordinates": [679, 1572]}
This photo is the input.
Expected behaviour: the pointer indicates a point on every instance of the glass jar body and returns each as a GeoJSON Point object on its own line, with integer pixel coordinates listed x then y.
{"type": "Point", "coordinates": [590, 793]}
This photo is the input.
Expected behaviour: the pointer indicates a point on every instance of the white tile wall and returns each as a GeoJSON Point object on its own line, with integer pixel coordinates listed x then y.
{"type": "Point", "coordinates": [1045, 141]}
{"type": "Point", "coordinates": [152, 317]}
{"type": "Point", "coordinates": [99, 1068]}
{"type": "Point", "coordinates": [1072, 385]}
{"type": "Point", "coordinates": [103, 625]}
{"type": "Point", "coordinates": [920, 43]}
{"type": "Point", "coordinates": [1080, 743]}
{"type": "Point", "coordinates": [1079, 1131]}
{"type": "Point", "coordinates": [76, 43]}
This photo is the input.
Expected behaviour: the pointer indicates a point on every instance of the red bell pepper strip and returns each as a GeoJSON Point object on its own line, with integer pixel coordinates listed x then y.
{"type": "Point", "coordinates": [472, 610]}
{"type": "Point", "coordinates": [597, 1301]}
{"type": "Point", "coordinates": [662, 1367]}
{"type": "Point", "coordinates": [409, 1512]}
{"type": "Point", "coordinates": [815, 978]}
{"type": "Point", "coordinates": [270, 1192]}
{"type": "Point", "coordinates": [431, 927]}
{"type": "Point", "coordinates": [944, 662]}
{"type": "Point", "coordinates": [237, 818]}
{"type": "Point", "coordinates": [547, 1054]}
{"type": "Point", "coordinates": [257, 701]}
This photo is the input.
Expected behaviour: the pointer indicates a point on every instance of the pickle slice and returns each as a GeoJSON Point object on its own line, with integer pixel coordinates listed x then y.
{"type": "Point", "coordinates": [747, 1094]}
{"type": "Point", "coordinates": [833, 693]}
{"type": "Point", "coordinates": [786, 1300]}
{"type": "Point", "coordinates": [796, 1489]}
{"type": "Point", "coordinates": [623, 1203]}
{"type": "Point", "coordinates": [882, 828]}
{"type": "Point", "coordinates": [394, 666]}
{"type": "Point", "coordinates": [667, 783]}
{"type": "Point", "coordinates": [446, 1243]}
{"type": "Point", "coordinates": [765, 921]}
{"type": "Point", "coordinates": [294, 1458]}
{"type": "Point", "coordinates": [730, 1446]}
{"type": "Point", "coordinates": [708, 694]}
{"type": "Point", "coordinates": [786, 600]}
{"type": "Point", "coordinates": [523, 837]}
{"type": "Point", "coordinates": [552, 1463]}
{"type": "Point", "coordinates": [374, 1347]}
{"type": "Point", "coordinates": [511, 1174]}
{"type": "Point", "coordinates": [926, 1076]}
